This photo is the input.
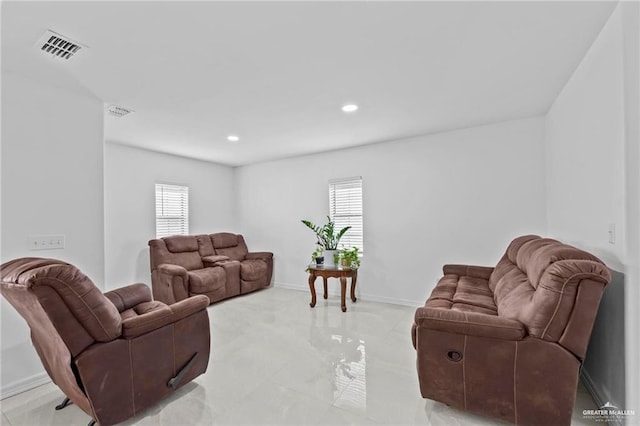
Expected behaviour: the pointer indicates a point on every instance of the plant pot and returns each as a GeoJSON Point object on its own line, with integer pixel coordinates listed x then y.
{"type": "Point", "coordinates": [319, 260]}
{"type": "Point", "coordinates": [328, 258]}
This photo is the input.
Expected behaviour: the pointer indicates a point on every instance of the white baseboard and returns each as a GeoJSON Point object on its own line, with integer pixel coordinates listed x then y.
{"type": "Point", "coordinates": [362, 296]}
{"type": "Point", "coordinates": [24, 385]}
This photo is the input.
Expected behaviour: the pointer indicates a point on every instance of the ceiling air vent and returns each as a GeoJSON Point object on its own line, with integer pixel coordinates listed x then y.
{"type": "Point", "coordinates": [118, 111]}
{"type": "Point", "coordinates": [58, 45]}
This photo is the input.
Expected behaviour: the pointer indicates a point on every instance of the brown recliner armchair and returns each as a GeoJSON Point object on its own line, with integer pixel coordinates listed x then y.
{"type": "Point", "coordinates": [508, 342]}
{"type": "Point", "coordinates": [112, 354]}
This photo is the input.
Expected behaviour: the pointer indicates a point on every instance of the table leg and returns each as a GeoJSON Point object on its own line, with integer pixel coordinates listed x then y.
{"type": "Point", "coordinates": [312, 288]}
{"type": "Point", "coordinates": [324, 281]}
{"type": "Point", "coordinates": [343, 291]}
{"type": "Point", "coordinates": [353, 286]}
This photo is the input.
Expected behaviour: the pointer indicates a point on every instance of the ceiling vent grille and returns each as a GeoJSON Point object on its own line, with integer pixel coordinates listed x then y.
{"type": "Point", "coordinates": [58, 46]}
{"type": "Point", "coordinates": [118, 111]}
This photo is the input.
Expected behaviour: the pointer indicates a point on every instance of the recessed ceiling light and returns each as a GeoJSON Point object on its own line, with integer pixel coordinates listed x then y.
{"type": "Point", "coordinates": [233, 138]}
{"type": "Point", "coordinates": [350, 108]}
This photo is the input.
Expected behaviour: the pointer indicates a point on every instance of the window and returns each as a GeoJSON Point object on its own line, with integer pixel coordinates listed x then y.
{"type": "Point", "coordinates": [172, 210]}
{"type": "Point", "coordinates": [345, 209]}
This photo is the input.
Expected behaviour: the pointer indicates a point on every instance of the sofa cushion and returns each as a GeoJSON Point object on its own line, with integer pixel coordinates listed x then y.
{"type": "Point", "coordinates": [161, 254]}
{"type": "Point", "coordinates": [224, 240]}
{"type": "Point", "coordinates": [253, 269]}
{"type": "Point", "coordinates": [462, 293]}
{"type": "Point", "coordinates": [206, 280]}
{"type": "Point", "coordinates": [181, 243]}
{"type": "Point", "coordinates": [536, 283]}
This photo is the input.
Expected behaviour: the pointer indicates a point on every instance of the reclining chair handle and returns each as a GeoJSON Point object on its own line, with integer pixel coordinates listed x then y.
{"type": "Point", "coordinates": [175, 381]}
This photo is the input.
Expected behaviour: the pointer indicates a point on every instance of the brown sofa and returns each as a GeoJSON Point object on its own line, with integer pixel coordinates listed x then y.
{"type": "Point", "coordinates": [508, 342]}
{"type": "Point", "coordinates": [112, 354]}
{"type": "Point", "coordinates": [218, 266]}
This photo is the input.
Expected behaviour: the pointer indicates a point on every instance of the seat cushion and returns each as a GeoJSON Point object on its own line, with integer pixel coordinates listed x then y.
{"type": "Point", "coordinates": [463, 293]}
{"type": "Point", "coordinates": [206, 280]}
{"type": "Point", "coordinates": [253, 269]}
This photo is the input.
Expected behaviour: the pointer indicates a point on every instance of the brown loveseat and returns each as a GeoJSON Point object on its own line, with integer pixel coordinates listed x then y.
{"type": "Point", "coordinates": [112, 354]}
{"type": "Point", "coordinates": [216, 265]}
{"type": "Point", "coordinates": [508, 342]}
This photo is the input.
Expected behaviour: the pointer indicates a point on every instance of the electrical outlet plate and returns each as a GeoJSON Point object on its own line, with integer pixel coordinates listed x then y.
{"type": "Point", "coordinates": [612, 233]}
{"type": "Point", "coordinates": [45, 242]}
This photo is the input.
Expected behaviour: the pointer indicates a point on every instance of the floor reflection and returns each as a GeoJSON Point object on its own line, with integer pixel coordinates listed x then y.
{"type": "Point", "coordinates": [351, 372]}
{"type": "Point", "coordinates": [346, 354]}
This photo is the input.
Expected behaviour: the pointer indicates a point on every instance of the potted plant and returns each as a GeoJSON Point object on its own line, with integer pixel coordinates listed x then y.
{"type": "Point", "coordinates": [318, 256]}
{"type": "Point", "coordinates": [349, 258]}
{"type": "Point", "coordinates": [327, 237]}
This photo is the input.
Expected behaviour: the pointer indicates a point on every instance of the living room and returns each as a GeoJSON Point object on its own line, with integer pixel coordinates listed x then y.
{"type": "Point", "coordinates": [477, 123]}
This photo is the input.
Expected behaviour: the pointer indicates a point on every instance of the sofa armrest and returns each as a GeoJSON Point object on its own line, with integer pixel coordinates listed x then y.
{"type": "Point", "coordinates": [129, 296]}
{"type": "Point", "coordinates": [259, 255]}
{"type": "Point", "coordinates": [169, 269]}
{"type": "Point", "coordinates": [483, 272]}
{"type": "Point", "coordinates": [149, 321]}
{"type": "Point", "coordinates": [170, 283]}
{"type": "Point", "coordinates": [469, 323]}
{"type": "Point", "coordinates": [191, 305]}
{"type": "Point", "coordinates": [214, 260]}
{"type": "Point", "coordinates": [163, 315]}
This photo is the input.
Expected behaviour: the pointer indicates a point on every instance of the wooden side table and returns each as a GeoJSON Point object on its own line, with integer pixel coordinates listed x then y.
{"type": "Point", "coordinates": [326, 272]}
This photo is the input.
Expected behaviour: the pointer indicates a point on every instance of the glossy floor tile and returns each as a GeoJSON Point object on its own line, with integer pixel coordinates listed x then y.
{"type": "Point", "coordinates": [275, 360]}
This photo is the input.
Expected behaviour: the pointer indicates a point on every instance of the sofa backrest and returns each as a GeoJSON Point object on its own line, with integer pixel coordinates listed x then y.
{"type": "Point", "coordinates": [549, 286]}
{"type": "Point", "coordinates": [182, 250]}
{"type": "Point", "coordinates": [77, 309]}
{"type": "Point", "coordinates": [227, 244]}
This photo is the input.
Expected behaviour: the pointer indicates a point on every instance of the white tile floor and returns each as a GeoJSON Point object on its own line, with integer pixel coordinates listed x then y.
{"type": "Point", "coordinates": [275, 360]}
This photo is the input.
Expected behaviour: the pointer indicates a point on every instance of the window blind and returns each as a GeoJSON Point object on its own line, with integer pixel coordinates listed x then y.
{"type": "Point", "coordinates": [345, 209]}
{"type": "Point", "coordinates": [172, 210]}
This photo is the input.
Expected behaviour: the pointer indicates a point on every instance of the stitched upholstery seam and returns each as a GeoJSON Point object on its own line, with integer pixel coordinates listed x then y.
{"type": "Point", "coordinates": [515, 387]}
{"type": "Point", "coordinates": [173, 341]}
{"type": "Point", "coordinates": [82, 300]}
{"type": "Point", "coordinates": [471, 322]}
{"type": "Point", "coordinates": [557, 305]}
{"type": "Point", "coordinates": [464, 378]}
{"type": "Point", "coordinates": [133, 389]}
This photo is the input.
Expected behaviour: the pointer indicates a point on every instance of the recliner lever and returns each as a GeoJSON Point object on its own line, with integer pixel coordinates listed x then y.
{"type": "Point", "coordinates": [175, 381]}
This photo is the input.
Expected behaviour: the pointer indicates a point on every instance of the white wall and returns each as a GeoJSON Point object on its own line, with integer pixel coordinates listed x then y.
{"type": "Point", "coordinates": [455, 197]}
{"type": "Point", "coordinates": [631, 42]}
{"type": "Point", "coordinates": [52, 171]}
{"type": "Point", "coordinates": [130, 176]}
{"type": "Point", "coordinates": [585, 151]}
{"type": "Point", "coordinates": [589, 188]}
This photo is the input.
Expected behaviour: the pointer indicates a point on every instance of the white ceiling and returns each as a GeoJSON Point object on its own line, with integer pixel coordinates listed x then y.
{"type": "Point", "coordinates": [277, 73]}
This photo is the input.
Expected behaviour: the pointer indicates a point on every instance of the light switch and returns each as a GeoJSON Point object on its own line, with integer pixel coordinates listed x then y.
{"type": "Point", "coordinates": [45, 242]}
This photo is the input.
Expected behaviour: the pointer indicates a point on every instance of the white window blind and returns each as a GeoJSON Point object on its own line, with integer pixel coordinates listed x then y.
{"type": "Point", "coordinates": [172, 210]}
{"type": "Point", "coordinates": [345, 209]}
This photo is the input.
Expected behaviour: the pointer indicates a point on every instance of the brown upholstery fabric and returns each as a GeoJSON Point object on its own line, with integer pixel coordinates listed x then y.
{"type": "Point", "coordinates": [127, 297]}
{"type": "Point", "coordinates": [231, 245]}
{"type": "Point", "coordinates": [507, 342]}
{"type": "Point", "coordinates": [224, 267]}
{"type": "Point", "coordinates": [88, 305]}
{"type": "Point", "coordinates": [162, 254]}
{"type": "Point", "coordinates": [251, 270]}
{"type": "Point", "coordinates": [536, 283]}
{"type": "Point", "coordinates": [181, 243]}
{"type": "Point", "coordinates": [112, 359]}
{"type": "Point", "coordinates": [213, 260]}
{"type": "Point", "coordinates": [207, 279]}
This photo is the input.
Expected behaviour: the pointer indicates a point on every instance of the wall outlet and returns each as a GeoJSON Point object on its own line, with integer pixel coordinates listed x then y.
{"type": "Point", "coordinates": [45, 242]}
{"type": "Point", "coordinates": [612, 233]}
